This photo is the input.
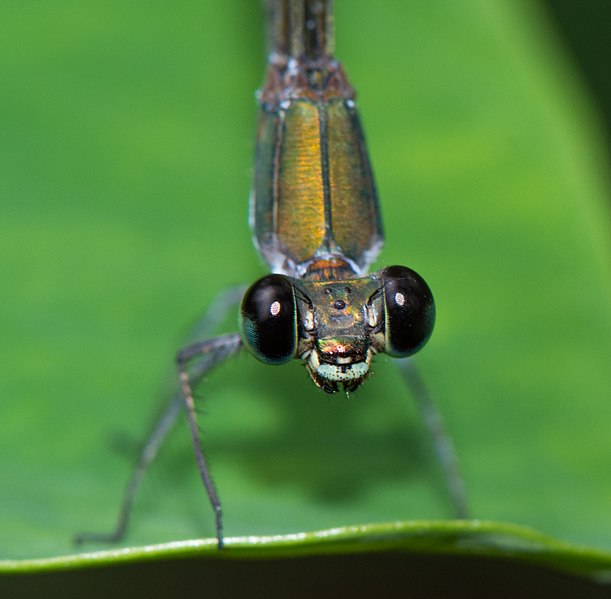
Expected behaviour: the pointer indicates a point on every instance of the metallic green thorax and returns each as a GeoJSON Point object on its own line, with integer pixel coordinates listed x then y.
{"type": "Point", "coordinates": [313, 194]}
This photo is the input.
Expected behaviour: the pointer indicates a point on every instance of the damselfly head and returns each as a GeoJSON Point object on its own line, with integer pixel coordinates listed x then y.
{"type": "Point", "coordinates": [336, 327]}
{"type": "Point", "coordinates": [340, 330]}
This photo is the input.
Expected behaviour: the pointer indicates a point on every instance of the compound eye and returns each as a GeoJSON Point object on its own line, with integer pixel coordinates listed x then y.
{"type": "Point", "coordinates": [409, 311]}
{"type": "Point", "coordinates": [268, 319]}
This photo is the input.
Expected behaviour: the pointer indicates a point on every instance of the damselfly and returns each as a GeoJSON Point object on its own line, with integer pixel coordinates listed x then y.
{"type": "Point", "coordinates": [316, 222]}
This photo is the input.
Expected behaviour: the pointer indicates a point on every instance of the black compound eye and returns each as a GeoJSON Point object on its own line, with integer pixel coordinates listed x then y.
{"type": "Point", "coordinates": [409, 311]}
{"type": "Point", "coordinates": [268, 318]}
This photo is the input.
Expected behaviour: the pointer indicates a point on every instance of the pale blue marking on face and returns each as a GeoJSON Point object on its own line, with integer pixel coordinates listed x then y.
{"type": "Point", "coordinates": [333, 372]}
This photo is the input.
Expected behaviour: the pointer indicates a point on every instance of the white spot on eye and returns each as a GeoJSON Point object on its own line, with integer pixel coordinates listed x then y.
{"type": "Point", "coordinates": [400, 299]}
{"type": "Point", "coordinates": [275, 308]}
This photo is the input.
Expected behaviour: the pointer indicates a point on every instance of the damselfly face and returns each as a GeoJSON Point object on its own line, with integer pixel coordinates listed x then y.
{"type": "Point", "coordinates": [336, 327]}
{"type": "Point", "coordinates": [340, 330]}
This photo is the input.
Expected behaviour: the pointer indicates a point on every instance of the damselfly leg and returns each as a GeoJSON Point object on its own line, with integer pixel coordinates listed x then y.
{"type": "Point", "coordinates": [194, 362]}
{"type": "Point", "coordinates": [440, 439]}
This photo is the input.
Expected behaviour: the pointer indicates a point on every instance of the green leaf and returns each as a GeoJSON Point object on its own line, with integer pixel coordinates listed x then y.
{"type": "Point", "coordinates": [127, 137]}
{"type": "Point", "coordinates": [456, 537]}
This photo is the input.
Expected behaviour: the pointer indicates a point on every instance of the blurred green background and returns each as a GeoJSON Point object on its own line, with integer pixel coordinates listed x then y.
{"type": "Point", "coordinates": [583, 33]}
{"type": "Point", "coordinates": [126, 133]}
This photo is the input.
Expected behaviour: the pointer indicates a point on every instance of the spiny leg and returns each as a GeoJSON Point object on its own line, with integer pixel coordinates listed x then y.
{"type": "Point", "coordinates": [217, 350]}
{"type": "Point", "coordinates": [442, 442]}
{"type": "Point", "coordinates": [216, 313]}
{"type": "Point", "coordinates": [205, 327]}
